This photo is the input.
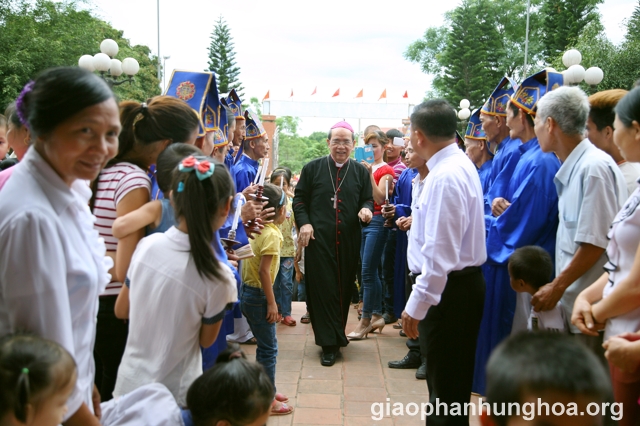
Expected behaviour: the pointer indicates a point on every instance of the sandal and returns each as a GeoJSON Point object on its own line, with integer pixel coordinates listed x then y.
{"type": "Point", "coordinates": [288, 321]}
{"type": "Point", "coordinates": [282, 411]}
{"type": "Point", "coordinates": [252, 341]}
{"type": "Point", "coordinates": [398, 325]}
{"type": "Point", "coordinates": [281, 398]}
{"type": "Point", "coordinates": [306, 318]}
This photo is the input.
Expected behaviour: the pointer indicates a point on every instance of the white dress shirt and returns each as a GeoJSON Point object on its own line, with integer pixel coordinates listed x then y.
{"type": "Point", "coordinates": [52, 265]}
{"type": "Point", "coordinates": [591, 190]}
{"type": "Point", "coordinates": [447, 226]}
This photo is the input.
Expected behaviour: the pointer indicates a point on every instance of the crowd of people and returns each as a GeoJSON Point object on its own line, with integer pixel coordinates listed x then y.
{"type": "Point", "coordinates": [143, 242]}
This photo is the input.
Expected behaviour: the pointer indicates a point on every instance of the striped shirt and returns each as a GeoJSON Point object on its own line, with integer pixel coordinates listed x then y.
{"type": "Point", "coordinates": [113, 184]}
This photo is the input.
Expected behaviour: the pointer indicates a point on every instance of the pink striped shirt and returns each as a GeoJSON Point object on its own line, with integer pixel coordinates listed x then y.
{"type": "Point", "coordinates": [113, 184]}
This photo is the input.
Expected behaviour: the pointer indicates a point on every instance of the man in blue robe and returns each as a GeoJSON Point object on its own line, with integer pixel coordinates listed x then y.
{"type": "Point", "coordinates": [477, 149]}
{"type": "Point", "coordinates": [255, 148]}
{"type": "Point", "coordinates": [493, 116]}
{"type": "Point", "coordinates": [526, 213]}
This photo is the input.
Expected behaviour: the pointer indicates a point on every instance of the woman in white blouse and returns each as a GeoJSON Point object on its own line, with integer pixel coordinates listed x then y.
{"type": "Point", "coordinates": [52, 262]}
{"type": "Point", "coordinates": [613, 302]}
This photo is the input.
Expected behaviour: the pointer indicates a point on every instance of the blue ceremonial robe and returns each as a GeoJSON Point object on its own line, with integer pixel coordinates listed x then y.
{"type": "Point", "coordinates": [485, 173]}
{"type": "Point", "coordinates": [228, 160]}
{"type": "Point", "coordinates": [244, 172]}
{"type": "Point", "coordinates": [531, 219]}
{"type": "Point", "coordinates": [402, 200]}
{"type": "Point", "coordinates": [504, 163]}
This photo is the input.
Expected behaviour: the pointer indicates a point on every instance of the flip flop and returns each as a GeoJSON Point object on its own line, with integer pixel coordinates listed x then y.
{"type": "Point", "coordinates": [282, 411]}
{"type": "Point", "coordinates": [288, 321]}
{"type": "Point", "coordinates": [397, 326]}
{"type": "Point", "coordinates": [252, 341]}
{"type": "Point", "coordinates": [306, 318]}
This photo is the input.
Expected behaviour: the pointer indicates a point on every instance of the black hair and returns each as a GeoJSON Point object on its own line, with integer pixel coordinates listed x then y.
{"type": "Point", "coordinates": [58, 94]}
{"type": "Point", "coordinates": [285, 172]}
{"type": "Point", "coordinates": [628, 109]}
{"type": "Point", "coordinates": [274, 194]}
{"type": "Point", "coordinates": [199, 203]}
{"type": "Point", "coordinates": [531, 264]}
{"type": "Point", "coordinates": [31, 368]}
{"type": "Point", "coordinates": [234, 390]}
{"type": "Point", "coordinates": [168, 160]}
{"type": "Point", "coordinates": [514, 108]}
{"type": "Point", "coordinates": [394, 133]}
{"type": "Point", "coordinates": [436, 119]}
{"type": "Point", "coordinates": [163, 117]}
{"type": "Point", "coordinates": [529, 364]}
{"type": "Point", "coordinates": [12, 117]}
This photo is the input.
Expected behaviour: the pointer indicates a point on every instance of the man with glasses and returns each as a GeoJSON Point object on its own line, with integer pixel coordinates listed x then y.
{"type": "Point", "coordinates": [333, 195]}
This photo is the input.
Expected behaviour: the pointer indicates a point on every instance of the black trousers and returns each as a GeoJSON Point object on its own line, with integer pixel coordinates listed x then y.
{"type": "Point", "coordinates": [415, 349]}
{"type": "Point", "coordinates": [111, 339]}
{"type": "Point", "coordinates": [388, 272]}
{"type": "Point", "coordinates": [448, 336]}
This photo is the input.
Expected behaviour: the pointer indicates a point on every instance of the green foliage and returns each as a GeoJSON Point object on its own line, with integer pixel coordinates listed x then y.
{"type": "Point", "coordinates": [254, 103]}
{"type": "Point", "coordinates": [477, 45]}
{"type": "Point", "coordinates": [38, 35]}
{"type": "Point", "coordinates": [633, 26]}
{"type": "Point", "coordinates": [620, 64]}
{"type": "Point", "coordinates": [222, 59]}
{"type": "Point", "coordinates": [295, 151]}
{"type": "Point", "coordinates": [563, 22]}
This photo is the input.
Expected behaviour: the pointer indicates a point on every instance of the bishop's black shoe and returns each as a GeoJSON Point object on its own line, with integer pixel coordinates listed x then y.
{"type": "Point", "coordinates": [421, 374]}
{"type": "Point", "coordinates": [409, 361]}
{"type": "Point", "coordinates": [329, 355]}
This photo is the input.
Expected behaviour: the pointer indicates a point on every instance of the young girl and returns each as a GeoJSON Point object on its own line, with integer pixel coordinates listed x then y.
{"type": "Point", "coordinates": [37, 377]}
{"type": "Point", "coordinates": [233, 392]}
{"type": "Point", "coordinates": [157, 215]}
{"type": "Point", "coordinates": [258, 302]}
{"type": "Point", "coordinates": [283, 286]}
{"type": "Point", "coordinates": [178, 289]}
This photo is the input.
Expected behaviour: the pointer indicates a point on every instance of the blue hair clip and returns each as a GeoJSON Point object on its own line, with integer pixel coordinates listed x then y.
{"type": "Point", "coordinates": [282, 199]}
{"type": "Point", "coordinates": [181, 187]}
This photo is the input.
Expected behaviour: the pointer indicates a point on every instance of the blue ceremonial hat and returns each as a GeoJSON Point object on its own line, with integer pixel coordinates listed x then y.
{"type": "Point", "coordinates": [535, 87]}
{"type": "Point", "coordinates": [199, 90]}
{"type": "Point", "coordinates": [220, 136]}
{"type": "Point", "coordinates": [497, 102]}
{"type": "Point", "coordinates": [474, 128]}
{"type": "Point", "coordinates": [233, 101]}
{"type": "Point", "coordinates": [254, 125]}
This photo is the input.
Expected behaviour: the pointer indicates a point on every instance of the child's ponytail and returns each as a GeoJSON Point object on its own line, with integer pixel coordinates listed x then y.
{"type": "Point", "coordinates": [31, 368]}
{"type": "Point", "coordinates": [200, 187]}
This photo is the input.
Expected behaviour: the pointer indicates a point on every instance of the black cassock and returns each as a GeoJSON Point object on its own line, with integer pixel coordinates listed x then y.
{"type": "Point", "coordinates": [331, 259]}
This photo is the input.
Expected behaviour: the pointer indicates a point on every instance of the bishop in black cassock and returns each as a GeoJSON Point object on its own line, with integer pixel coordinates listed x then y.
{"type": "Point", "coordinates": [333, 195]}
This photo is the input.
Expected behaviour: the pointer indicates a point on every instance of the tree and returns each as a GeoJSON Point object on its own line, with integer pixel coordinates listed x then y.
{"type": "Point", "coordinates": [563, 22]}
{"type": "Point", "coordinates": [633, 25]}
{"type": "Point", "coordinates": [222, 59]}
{"type": "Point", "coordinates": [38, 35]}
{"type": "Point", "coordinates": [476, 46]}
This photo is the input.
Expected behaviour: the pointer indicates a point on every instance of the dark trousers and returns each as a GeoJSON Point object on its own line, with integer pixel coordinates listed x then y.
{"type": "Point", "coordinates": [111, 339]}
{"type": "Point", "coordinates": [388, 271]}
{"type": "Point", "coordinates": [450, 332]}
{"type": "Point", "coordinates": [413, 344]}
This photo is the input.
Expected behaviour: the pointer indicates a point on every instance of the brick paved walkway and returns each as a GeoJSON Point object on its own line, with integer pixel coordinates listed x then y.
{"type": "Point", "coordinates": [343, 394]}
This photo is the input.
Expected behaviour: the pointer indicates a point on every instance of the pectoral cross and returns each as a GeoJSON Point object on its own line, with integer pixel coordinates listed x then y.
{"type": "Point", "coordinates": [335, 201]}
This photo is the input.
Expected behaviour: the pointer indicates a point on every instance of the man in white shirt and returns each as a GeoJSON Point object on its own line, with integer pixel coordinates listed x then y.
{"type": "Point", "coordinates": [447, 247]}
{"type": "Point", "coordinates": [591, 190]}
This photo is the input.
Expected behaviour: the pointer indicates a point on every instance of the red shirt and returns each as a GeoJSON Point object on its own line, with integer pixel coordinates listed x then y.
{"type": "Point", "coordinates": [382, 170]}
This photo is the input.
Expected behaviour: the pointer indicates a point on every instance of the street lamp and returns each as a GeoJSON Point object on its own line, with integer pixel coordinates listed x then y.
{"type": "Point", "coordinates": [575, 73]}
{"type": "Point", "coordinates": [104, 61]}
{"type": "Point", "coordinates": [464, 112]}
{"type": "Point", "coordinates": [164, 71]}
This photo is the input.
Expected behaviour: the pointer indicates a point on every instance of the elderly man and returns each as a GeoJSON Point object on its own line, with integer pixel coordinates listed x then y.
{"type": "Point", "coordinates": [591, 190]}
{"type": "Point", "coordinates": [446, 249]}
{"type": "Point", "coordinates": [332, 195]}
{"type": "Point", "coordinates": [477, 149]}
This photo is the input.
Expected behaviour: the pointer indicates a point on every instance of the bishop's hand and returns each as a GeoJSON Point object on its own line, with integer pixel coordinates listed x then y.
{"type": "Point", "coordinates": [365, 215]}
{"type": "Point", "coordinates": [306, 234]}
